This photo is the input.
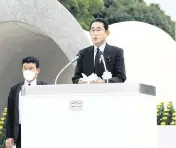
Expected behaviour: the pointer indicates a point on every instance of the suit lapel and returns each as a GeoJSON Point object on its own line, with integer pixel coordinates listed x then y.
{"type": "Point", "coordinates": [107, 51]}
{"type": "Point", "coordinates": [107, 54]}
{"type": "Point", "coordinates": [19, 87]}
{"type": "Point", "coordinates": [91, 60]}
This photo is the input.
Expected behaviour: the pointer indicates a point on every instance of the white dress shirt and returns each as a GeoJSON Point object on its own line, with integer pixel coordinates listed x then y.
{"type": "Point", "coordinates": [26, 84]}
{"type": "Point", "coordinates": [102, 47]}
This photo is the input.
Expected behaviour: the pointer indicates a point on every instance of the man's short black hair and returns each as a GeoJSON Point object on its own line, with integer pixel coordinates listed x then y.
{"type": "Point", "coordinates": [101, 20]}
{"type": "Point", "coordinates": [31, 59]}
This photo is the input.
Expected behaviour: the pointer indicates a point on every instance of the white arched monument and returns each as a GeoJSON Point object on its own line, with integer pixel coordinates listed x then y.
{"type": "Point", "coordinates": [150, 55]}
{"type": "Point", "coordinates": [41, 28]}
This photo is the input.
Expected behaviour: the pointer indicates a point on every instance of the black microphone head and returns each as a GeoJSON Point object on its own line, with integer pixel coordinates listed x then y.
{"type": "Point", "coordinates": [79, 55]}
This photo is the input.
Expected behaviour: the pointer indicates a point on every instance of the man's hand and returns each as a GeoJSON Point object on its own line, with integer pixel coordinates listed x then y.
{"type": "Point", "coordinates": [82, 82]}
{"type": "Point", "coordinates": [100, 81]}
{"type": "Point", "coordinates": [9, 143]}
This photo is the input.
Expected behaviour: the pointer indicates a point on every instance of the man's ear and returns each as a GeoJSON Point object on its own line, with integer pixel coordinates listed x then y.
{"type": "Point", "coordinates": [108, 32]}
{"type": "Point", "coordinates": [38, 70]}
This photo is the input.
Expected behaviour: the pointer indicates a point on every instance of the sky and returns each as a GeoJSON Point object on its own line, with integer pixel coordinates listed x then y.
{"type": "Point", "coordinates": [169, 6]}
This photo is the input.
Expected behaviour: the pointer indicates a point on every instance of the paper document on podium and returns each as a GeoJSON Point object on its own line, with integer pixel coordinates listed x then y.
{"type": "Point", "coordinates": [92, 77]}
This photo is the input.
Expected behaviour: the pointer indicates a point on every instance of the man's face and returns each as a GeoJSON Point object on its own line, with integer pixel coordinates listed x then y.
{"type": "Point", "coordinates": [98, 33]}
{"type": "Point", "coordinates": [32, 67]}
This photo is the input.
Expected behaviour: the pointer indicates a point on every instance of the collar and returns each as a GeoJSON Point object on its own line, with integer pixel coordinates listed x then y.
{"type": "Point", "coordinates": [34, 82]}
{"type": "Point", "coordinates": [102, 47]}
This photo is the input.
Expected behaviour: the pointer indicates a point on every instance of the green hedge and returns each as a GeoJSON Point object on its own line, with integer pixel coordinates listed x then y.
{"type": "Point", "coordinates": [2, 128]}
{"type": "Point", "coordinates": [166, 114]}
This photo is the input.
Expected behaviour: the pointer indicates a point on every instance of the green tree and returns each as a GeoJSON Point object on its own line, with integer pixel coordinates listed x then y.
{"type": "Point", "coordinates": [137, 10]}
{"type": "Point", "coordinates": [161, 20]}
{"type": "Point", "coordinates": [115, 11]}
{"type": "Point", "coordinates": [83, 10]}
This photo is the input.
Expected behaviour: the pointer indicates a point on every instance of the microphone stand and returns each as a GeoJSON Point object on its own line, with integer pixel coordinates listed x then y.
{"type": "Point", "coordinates": [75, 59]}
{"type": "Point", "coordinates": [104, 64]}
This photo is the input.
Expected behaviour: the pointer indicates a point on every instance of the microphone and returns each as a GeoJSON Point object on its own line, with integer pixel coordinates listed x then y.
{"type": "Point", "coordinates": [103, 60]}
{"type": "Point", "coordinates": [106, 75]}
{"type": "Point", "coordinates": [75, 59]}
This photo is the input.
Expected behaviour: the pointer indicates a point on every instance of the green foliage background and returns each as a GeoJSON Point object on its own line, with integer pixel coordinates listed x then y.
{"type": "Point", "coordinates": [118, 11]}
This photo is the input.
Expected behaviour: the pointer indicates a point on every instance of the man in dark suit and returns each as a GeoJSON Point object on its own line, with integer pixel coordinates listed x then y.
{"type": "Point", "coordinates": [30, 66]}
{"type": "Point", "coordinates": [90, 61]}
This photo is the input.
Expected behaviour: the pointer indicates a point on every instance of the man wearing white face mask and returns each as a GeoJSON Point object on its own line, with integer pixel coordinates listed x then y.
{"type": "Point", "coordinates": [30, 66]}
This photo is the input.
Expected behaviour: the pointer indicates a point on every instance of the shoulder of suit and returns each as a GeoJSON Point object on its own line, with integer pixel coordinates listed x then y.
{"type": "Point", "coordinates": [115, 48]}
{"type": "Point", "coordinates": [17, 85]}
{"type": "Point", "coordinates": [21, 83]}
{"type": "Point", "coordinates": [86, 49]}
{"type": "Point", "coordinates": [42, 83]}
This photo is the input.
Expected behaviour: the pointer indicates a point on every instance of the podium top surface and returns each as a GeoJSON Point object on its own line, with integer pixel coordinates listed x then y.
{"type": "Point", "coordinates": [121, 88]}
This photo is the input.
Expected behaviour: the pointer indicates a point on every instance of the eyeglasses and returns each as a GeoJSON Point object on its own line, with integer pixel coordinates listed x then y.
{"type": "Point", "coordinates": [96, 30]}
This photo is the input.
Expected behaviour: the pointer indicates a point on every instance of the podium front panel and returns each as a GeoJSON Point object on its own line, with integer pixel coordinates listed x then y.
{"type": "Point", "coordinates": [84, 120]}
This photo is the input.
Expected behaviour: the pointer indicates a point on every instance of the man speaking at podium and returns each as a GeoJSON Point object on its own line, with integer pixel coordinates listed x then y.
{"type": "Point", "coordinates": [100, 57]}
{"type": "Point", "coordinates": [30, 67]}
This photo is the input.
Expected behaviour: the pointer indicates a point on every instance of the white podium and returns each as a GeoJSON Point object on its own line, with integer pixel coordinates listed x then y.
{"type": "Point", "coordinates": [88, 116]}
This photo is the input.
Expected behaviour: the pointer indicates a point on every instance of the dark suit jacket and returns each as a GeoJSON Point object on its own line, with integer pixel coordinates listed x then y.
{"type": "Point", "coordinates": [12, 119]}
{"type": "Point", "coordinates": [114, 60]}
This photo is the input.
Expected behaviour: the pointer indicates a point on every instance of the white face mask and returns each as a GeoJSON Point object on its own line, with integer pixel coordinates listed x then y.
{"type": "Point", "coordinates": [29, 75]}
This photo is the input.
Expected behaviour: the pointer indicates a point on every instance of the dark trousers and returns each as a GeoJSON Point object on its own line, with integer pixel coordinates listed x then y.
{"type": "Point", "coordinates": [18, 143]}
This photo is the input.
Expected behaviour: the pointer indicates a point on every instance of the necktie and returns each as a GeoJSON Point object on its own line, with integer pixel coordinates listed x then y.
{"type": "Point", "coordinates": [97, 62]}
{"type": "Point", "coordinates": [29, 84]}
